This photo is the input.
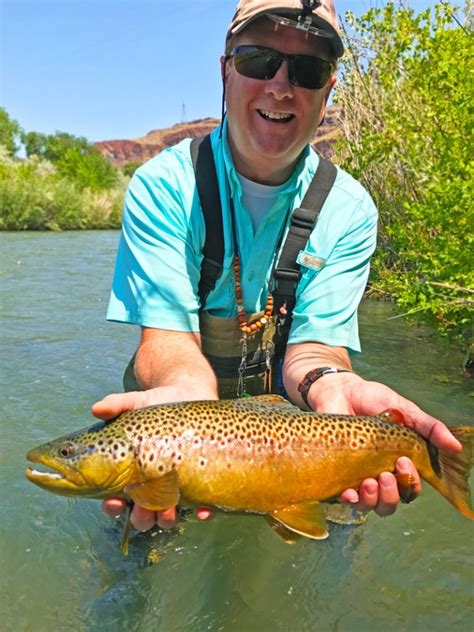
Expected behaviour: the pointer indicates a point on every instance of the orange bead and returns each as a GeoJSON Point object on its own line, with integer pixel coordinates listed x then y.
{"type": "Point", "coordinates": [243, 323]}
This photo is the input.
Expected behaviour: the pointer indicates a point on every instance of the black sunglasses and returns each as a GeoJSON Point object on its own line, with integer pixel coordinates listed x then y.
{"type": "Point", "coordinates": [259, 62]}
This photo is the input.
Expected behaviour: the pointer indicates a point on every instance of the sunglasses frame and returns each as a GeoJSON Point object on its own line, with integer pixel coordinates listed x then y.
{"type": "Point", "coordinates": [290, 58]}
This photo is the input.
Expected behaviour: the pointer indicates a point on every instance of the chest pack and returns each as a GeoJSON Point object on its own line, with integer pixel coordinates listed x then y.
{"type": "Point", "coordinates": [287, 271]}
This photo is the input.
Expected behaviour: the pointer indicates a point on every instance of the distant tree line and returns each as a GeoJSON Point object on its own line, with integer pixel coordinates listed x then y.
{"type": "Point", "coordinates": [62, 183]}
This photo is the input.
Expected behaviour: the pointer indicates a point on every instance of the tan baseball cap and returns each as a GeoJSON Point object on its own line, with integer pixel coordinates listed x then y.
{"type": "Point", "coordinates": [313, 16]}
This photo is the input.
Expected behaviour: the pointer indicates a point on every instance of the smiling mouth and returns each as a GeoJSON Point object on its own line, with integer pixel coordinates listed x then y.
{"type": "Point", "coordinates": [276, 117]}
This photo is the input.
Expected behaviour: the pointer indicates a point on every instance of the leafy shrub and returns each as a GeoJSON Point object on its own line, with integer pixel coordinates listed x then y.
{"type": "Point", "coordinates": [88, 169]}
{"type": "Point", "coordinates": [406, 97]}
{"type": "Point", "coordinates": [129, 168]}
{"type": "Point", "coordinates": [35, 196]}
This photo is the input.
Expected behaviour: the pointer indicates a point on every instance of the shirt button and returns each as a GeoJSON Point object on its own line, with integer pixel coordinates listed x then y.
{"type": "Point", "coordinates": [251, 276]}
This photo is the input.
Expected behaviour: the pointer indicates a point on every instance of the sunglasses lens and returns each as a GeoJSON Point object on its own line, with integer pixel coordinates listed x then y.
{"type": "Point", "coordinates": [256, 64]}
{"type": "Point", "coordinates": [262, 63]}
{"type": "Point", "coordinates": [309, 72]}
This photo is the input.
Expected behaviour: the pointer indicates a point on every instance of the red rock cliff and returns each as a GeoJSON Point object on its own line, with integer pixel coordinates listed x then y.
{"type": "Point", "coordinates": [141, 149]}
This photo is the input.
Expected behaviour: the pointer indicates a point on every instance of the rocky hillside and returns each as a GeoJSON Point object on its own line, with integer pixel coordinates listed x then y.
{"type": "Point", "coordinates": [141, 149]}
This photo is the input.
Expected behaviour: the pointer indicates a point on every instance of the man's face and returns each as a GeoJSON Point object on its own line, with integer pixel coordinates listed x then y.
{"type": "Point", "coordinates": [265, 148]}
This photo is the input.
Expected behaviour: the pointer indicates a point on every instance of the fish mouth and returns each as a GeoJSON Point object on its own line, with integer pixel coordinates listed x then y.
{"type": "Point", "coordinates": [36, 475]}
{"type": "Point", "coordinates": [58, 478]}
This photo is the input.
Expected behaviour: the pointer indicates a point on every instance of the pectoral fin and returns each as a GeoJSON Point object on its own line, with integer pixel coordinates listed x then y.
{"type": "Point", "coordinates": [126, 530]}
{"type": "Point", "coordinates": [306, 518]}
{"type": "Point", "coordinates": [159, 493]}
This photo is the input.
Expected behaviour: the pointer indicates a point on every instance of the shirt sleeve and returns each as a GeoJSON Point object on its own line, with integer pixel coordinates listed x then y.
{"type": "Point", "coordinates": [158, 262]}
{"type": "Point", "coordinates": [327, 298]}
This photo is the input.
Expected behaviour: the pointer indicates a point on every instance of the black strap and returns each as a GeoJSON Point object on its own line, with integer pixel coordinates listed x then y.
{"type": "Point", "coordinates": [208, 189]}
{"type": "Point", "coordinates": [287, 271]}
{"type": "Point", "coordinates": [303, 220]}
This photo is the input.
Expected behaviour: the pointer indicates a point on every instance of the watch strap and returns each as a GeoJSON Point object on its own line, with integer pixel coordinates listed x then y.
{"type": "Point", "coordinates": [314, 375]}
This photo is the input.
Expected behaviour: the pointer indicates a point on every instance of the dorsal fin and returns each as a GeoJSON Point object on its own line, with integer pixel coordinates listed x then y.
{"type": "Point", "coordinates": [275, 400]}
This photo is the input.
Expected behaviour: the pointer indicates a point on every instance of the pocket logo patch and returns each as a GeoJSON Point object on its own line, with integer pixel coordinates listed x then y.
{"type": "Point", "coordinates": [310, 261]}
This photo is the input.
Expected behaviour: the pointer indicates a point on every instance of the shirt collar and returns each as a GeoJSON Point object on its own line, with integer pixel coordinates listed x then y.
{"type": "Point", "coordinates": [305, 166]}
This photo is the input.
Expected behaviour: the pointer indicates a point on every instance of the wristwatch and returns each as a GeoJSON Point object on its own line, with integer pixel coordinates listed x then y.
{"type": "Point", "coordinates": [314, 375]}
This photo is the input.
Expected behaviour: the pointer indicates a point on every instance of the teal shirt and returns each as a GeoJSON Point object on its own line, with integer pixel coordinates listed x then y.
{"type": "Point", "coordinates": [160, 251]}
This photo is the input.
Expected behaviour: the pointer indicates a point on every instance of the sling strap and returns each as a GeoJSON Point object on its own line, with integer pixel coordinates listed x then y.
{"type": "Point", "coordinates": [303, 220]}
{"type": "Point", "coordinates": [208, 189]}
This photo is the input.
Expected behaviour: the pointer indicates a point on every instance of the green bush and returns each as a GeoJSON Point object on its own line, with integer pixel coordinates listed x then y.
{"type": "Point", "coordinates": [407, 96]}
{"type": "Point", "coordinates": [35, 196]}
{"type": "Point", "coordinates": [89, 169]}
{"type": "Point", "coordinates": [74, 157]}
{"type": "Point", "coordinates": [129, 168]}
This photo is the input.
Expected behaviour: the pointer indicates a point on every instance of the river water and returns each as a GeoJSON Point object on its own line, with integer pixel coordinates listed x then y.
{"type": "Point", "coordinates": [60, 564]}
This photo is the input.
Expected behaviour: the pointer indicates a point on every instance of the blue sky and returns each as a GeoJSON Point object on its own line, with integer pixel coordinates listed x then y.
{"type": "Point", "coordinates": [111, 69]}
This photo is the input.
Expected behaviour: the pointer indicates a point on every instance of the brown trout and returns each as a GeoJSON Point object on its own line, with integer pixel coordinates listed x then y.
{"type": "Point", "coordinates": [259, 455]}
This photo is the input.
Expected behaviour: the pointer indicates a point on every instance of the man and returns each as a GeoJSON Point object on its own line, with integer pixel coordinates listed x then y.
{"type": "Point", "coordinates": [278, 72]}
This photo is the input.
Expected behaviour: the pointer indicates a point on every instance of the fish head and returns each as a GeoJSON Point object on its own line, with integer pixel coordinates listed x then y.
{"type": "Point", "coordinates": [97, 462]}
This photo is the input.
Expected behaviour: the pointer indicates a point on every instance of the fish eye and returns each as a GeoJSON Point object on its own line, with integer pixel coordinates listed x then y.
{"type": "Point", "coordinates": [66, 449]}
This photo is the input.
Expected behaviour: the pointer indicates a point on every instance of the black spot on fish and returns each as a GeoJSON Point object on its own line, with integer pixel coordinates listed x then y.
{"type": "Point", "coordinates": [434, 457]}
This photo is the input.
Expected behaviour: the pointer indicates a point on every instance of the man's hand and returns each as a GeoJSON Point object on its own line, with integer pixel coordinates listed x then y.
{"type": "Point", "coordinates": [349, 394]}
{"type": "Point", "coordinates": [112, 406]}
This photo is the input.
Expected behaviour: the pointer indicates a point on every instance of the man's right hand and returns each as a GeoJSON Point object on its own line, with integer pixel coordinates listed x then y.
{"type": "Point", "coordinates": [112, 406]}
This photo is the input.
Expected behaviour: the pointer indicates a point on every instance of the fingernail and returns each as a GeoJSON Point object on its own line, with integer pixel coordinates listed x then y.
{"type": "Point", "coordinates": [386, 480]}
{"type": "Point", "coordinates": [371, 487]}
{"type": "Point", "coordinates": [205, 514]}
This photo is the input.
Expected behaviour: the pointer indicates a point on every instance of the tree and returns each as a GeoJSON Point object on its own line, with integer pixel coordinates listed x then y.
{"type": "Point", "coordinates": [89, 169]}
{"type": "Point", "coordinates": [10, 130]}
{"type": "Point", "coordinates": [34, 143]}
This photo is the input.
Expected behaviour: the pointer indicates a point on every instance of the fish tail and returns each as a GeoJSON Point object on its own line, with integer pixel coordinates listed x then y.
{"type": "Point", "coordinates": [450, 471]}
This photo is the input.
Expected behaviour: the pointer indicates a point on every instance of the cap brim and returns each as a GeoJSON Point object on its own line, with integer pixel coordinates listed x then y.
{"type": "Point", "coordinates": [334, 40]}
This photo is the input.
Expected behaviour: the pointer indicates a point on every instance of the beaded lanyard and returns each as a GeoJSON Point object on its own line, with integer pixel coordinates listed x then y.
{"type": "Point", "coordinates": [244, 326]}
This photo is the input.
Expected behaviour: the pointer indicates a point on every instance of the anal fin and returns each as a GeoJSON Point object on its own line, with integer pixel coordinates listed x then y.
{"type": "Point", "coordinates": [290, 537]}
{"type": "Point", "coordinates": [306, 518]}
